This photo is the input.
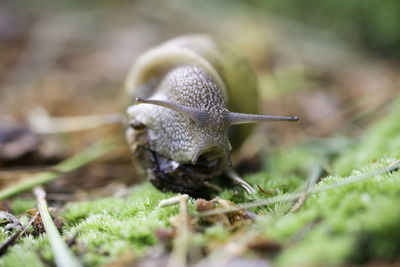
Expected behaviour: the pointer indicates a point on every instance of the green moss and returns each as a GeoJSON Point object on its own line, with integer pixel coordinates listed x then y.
{"type": "Point", "coordinates": [381, 140]}
{"type": "Point", "coordinates": [20, 205]}
{"type": "Point", "coordinates": [216, 233]}
{"type": "Point", "coordinates": [358, 222]}
{"type": "Point", "coordinates": [317, 250]}
{"type": "Point", "coordinates": [30, 252]}
{"type": "Point", "coordinates": [107, 227]}
{"type": "Point", "coordinates": [111, 226]}
{"type": "Point", "coordinates": [351, 224]}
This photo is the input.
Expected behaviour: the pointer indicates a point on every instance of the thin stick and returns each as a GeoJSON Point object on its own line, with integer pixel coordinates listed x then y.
{"type": "Point", "coordinates": [86, 156]}
{"type": "Point", "coordinates": [62, 255]}
{"type": "Point", "coordinates": [294, 196]}
{"type": "Point", "coordinates": [181, 242]}
{"type": "Point", "coordinates": [17, 235]}
{"type": "Point", "coordinates": [9, 242]}
{"type": "Point", "coordinates": [312, 179]}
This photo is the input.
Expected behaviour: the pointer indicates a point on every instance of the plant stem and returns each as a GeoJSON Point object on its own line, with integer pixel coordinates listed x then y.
{"type": "Point", "coordinates": [181, 241]}
{"type": "Point", "coordinates": [293, 196]}
{"type": "Point", "coordinates": [312, 179]}
{"type": "Point", "coordinates": [86, 156]}
{"type": "Point", "coordinates": [62, 255]}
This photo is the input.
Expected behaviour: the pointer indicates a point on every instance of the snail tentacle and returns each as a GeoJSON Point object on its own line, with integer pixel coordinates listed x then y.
{"type": "Point", "coordinates": [242, 118]}
{"type": "Point", "coordinates": [197, 115]}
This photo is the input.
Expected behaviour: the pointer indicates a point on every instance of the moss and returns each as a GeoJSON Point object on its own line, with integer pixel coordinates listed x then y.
{"type": "Point", "coordinates": [3, 235]}
{"type": "Point", "coordinates": [357, 222]}
{"type": "Point", "coordinates": [216, 233]}
{"type": "Point", "coordinates": [107, 227]}
{"type": "Point", "coordinates": [317, 250]}
{"type": "Point", "coordinates": [20, 205]}
{"type": "Point", "coordinates": [110, 226]}
{"type": "Point", "coordinates": [351, 224]}
{"type": "Point", "coordinates": [30, 252]}
{"type": "Point", "coordinates": [380, 140]}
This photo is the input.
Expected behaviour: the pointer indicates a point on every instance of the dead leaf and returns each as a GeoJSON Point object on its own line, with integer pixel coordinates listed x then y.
{"type": "Point", "coordinates": [37, 223]}
{"type": "Point", "coordinates": [231, 219]}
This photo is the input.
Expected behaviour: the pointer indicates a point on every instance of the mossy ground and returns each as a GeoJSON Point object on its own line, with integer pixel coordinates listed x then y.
{"type": "Point", "coordinates": [356, 223]}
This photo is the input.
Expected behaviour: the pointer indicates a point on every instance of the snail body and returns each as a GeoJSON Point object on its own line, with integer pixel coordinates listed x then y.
{"type": "Point", "coordinates": [187, 87]}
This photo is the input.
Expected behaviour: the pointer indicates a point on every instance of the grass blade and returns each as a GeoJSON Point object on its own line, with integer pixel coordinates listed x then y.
{"type": "Point", "coordinates": [86, 156]}
{"type": "Point", "coordinates": [62, 255]}
{"type": "Point", "coordinates": [294, 196]}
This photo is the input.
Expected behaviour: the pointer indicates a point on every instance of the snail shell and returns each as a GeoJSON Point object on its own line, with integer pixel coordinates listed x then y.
{"type": "Point", "coordinates": [188, 86]}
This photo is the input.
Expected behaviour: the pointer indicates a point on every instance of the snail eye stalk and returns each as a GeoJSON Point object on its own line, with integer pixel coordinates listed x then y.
{"type": "Point", "coordinates": [197, 115]}
{"type": "Point", "coordinates": [242, 118]}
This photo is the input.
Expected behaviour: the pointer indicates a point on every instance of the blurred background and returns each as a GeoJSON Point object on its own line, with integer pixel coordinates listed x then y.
{"type": "Point", "coordinates": [333, 63]}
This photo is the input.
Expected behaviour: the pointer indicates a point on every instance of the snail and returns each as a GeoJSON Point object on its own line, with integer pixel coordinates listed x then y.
{"type": "Point", "coordinates": [188, 93]}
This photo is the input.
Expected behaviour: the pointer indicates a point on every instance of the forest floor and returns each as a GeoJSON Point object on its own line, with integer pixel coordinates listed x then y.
{"type": "Point", "coordinates": [327, 188]}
